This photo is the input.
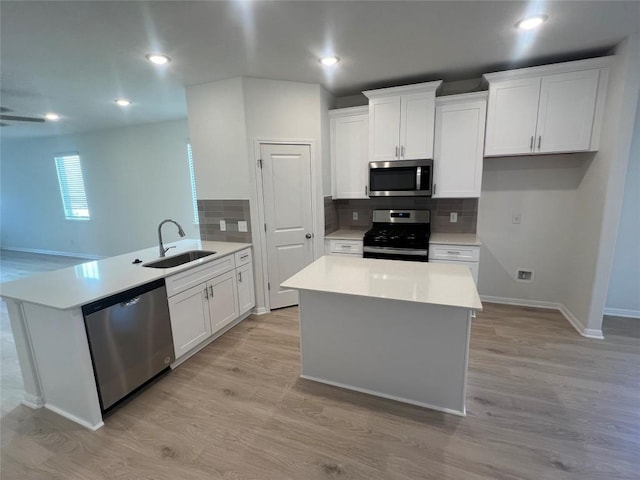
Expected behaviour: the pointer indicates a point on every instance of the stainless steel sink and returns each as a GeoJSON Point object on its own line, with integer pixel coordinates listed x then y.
{"type": "Point", "coordinates": [181, 259]}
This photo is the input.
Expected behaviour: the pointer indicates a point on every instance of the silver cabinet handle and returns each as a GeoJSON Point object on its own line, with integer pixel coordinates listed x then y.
{"type": "Point", "coordinates": [396, 151]}
{"type": "Point", "coordinates": [308, 235]}
{"type": "Point", "coordinates": [402, 151]}
{"type": "Point", "coordinates": [240, 276]}
{"type": "Point", "coordinates": [434, 188]}
{"type": "Point", "coordinates": [242, 257]}
{"type": "Point", "coordinates": [206, 293]}
{"type": "Point", "coordinates": [539, 142]}
{"type": "Point", "coordinates": [366, 190]}
{"type": "Point", "coordinates": [211, 290]}
{"type": "Point", "coordinates": [453, 253]}
{"type": "Point", "coordinates": [345, 246]}
{"type": "Point", "coordinates": [531, 144]}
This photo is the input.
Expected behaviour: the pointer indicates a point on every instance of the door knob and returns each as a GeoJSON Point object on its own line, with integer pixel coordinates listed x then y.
{"type": "Point", "coordinates": [308, 235]}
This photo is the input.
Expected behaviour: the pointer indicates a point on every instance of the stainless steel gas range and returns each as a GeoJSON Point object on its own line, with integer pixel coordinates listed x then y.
{"type": "Point", "coordinates": [399, 235]}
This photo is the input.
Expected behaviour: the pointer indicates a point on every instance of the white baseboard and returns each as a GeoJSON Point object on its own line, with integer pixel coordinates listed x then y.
{"type": "Point", "coordinates": [52, 252]}
{"type": "Point", "coordinates": [622, 312]}
{"type": "Point", "coordinates": [73, 418]}
{"type": "Point", "coordinates": [571, 318]}
{"type": "Point", "coordinates": [260, 311]}
{"type": "Point", "coordinates": [32, 401]}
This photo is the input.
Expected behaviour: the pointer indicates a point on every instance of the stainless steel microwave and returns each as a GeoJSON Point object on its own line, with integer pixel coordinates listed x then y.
{"type": "Point", "coordinates": [401, 178]}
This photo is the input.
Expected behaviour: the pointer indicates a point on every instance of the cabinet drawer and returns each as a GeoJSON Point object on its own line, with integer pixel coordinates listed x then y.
{"type": "Point", "coordinates": [345, 246]}
{"type": "Point", "coordinates": [194, 276]}
{"type": "Point", "coordinates": [243, 257]}
{"type": "Point", "coordinates": [454, 252]}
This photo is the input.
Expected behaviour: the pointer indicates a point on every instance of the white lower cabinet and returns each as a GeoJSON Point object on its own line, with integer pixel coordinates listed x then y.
{"type": "Point", "coordinates": [246, 291]}
{"type": "Point", "coordinates": [199, 312]}
{"type": "Point", "coordinates": [467, 255]}
{"type": "Point", "coordinates": [190, 321]}
{"type": "Point", "coordinates": [223, 300]}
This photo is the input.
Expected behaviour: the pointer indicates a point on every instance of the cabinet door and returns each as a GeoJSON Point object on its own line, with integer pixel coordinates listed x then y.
{"type": "Point", "coordinates": [416, 125]}
{"type": "Point", "coordinates": [512, 116]}
{"type": "Point", "coordinates": [246, 292]}
{"type": "Point", "coordinates": [223, 300]}
{"type": "Point", "coordinates": [190, 322]}
{"type": "Point", "coordinates": [384, 129]}
{"type": "Point", "coordinates": [567, 107]}
{"type": "Point", "coordinates": [349, 154]}
{"type": "Point", "coordinates": [459, 146]}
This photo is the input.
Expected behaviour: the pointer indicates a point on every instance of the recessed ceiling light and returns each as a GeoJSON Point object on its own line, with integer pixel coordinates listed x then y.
{"type": "Point", "coordinates": [52, 116]}
{"type": "Point", "coordinates": [329, 61]}
{"type": "Point", "coordinates": [123, 102]}
{"type": "Point", "coordinates": [157, 58]}
{"type": "Point", "coordinates": [530, 23]}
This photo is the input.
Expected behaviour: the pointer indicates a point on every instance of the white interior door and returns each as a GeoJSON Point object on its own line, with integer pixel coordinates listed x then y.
{"type": "Point", "coordinates": [286, 186]}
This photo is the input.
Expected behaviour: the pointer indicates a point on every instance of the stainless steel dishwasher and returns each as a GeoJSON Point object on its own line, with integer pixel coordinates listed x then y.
{"type": "Point", "coordinates": [130, 340]}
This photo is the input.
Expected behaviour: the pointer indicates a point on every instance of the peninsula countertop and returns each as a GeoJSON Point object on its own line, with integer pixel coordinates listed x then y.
{"type": "Point", "coordinates": [76, 286]}
{"type": "Point", "coordinates": [432, 283]}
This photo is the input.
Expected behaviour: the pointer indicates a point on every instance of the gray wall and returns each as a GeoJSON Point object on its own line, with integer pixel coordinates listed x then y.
{"type": "Point", "coordinates": [624, 287]}
{"type": "Point", "coordinates": [134, 178]}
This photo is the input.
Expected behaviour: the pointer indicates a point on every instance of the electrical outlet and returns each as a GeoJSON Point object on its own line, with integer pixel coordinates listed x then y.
{"type": "Point", "coordinates": [223, 226]}
{"type": "Point", "coordinates": [242, 226]}
{"type": "Point", "coordinates": [524, 274]}
{"type": "Point", "coordinates": [516, 218]}
{"type": "Point", "coordinates": [355, 215]}
{"type": "Point", "coordinates": [453, 217]}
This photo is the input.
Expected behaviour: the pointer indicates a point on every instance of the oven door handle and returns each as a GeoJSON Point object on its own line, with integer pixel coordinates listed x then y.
{"type": "Point", "coordinates": [419, 178]}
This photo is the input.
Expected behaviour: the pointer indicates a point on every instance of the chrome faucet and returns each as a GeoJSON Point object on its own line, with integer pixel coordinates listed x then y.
{"type": "Point", "coordinates": [180, 232]}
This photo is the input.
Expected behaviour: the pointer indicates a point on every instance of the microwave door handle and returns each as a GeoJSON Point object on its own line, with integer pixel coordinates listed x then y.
{"type": "Point", "coordinates": [419, 178]}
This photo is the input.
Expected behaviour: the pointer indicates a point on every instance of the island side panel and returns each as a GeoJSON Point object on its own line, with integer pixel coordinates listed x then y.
{"type": "Point", "coordinates": [408, 351]}
{"type": "Point", "coordinates": [32, 392]}
{"type": "Point", "coordinates": [63, 361]}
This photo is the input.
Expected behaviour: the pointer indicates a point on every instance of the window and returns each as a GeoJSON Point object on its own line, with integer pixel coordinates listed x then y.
{"type": "Point", "coordinates": [74, 199]}
{"type": "Point", "coordinates": [194, 198]}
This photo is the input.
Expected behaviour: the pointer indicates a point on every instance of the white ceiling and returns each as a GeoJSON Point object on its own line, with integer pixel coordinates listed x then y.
{"type": "Point", "coordinates": [74, 58]}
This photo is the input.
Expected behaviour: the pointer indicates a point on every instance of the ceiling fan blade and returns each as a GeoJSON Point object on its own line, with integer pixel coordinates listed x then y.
{"type": "Point", "coordinates": [21, 119]}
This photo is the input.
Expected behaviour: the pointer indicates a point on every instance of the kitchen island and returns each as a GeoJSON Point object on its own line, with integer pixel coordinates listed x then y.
{"type": "Point", "coordinates": [48, 324]}
{"type": "Point", "coordinates": [394, 329]}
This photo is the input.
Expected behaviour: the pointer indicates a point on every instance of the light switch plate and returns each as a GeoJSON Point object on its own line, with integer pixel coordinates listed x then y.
{"type": "Point", "coordinates": [242, 226]}
{"type": "Point", "coordinates": [223, 226]}
{"type": "Point", "coordinates": [354, 215]}
{"type": "Point", "coordinates": [453, 217]}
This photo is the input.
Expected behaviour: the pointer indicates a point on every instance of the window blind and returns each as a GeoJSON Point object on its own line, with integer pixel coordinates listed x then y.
{"type": "Point", "coordinates": [74, 199]}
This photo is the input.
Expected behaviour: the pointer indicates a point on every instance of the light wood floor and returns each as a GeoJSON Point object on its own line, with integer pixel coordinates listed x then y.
{"type": "Point", "coordinates": [542, 403]}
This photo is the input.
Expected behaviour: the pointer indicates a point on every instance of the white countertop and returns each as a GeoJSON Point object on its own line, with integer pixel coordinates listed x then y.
{"type": "Point", "coordinates": [455, 239]}
{"type": "Point", "coordinates": [433, 283]}
{"type": "Point", "coordinates": [76, 286]}
{"type": "Point", "coordinates": [346, 234]}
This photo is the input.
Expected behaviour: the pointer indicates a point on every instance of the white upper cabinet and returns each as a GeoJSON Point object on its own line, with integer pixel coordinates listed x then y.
{"type": "Point", "coordinates": [459, 145]}
{"type": "Point", "coordinates": [548, 109]}
{"type": "Point", "coordinates": [401, 122]}
{"type": "Point", "coordinates": [513, 113]}
{"type": "Point", "coordinates": [349, 152]}
{"type": "Point", "coordinates": [567, 107]}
